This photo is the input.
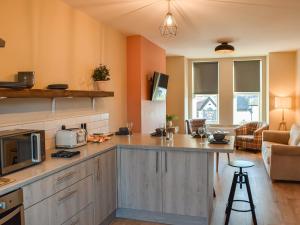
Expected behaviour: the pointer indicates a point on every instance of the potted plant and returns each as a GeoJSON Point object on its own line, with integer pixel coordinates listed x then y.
{"type": "Point", "coordinates": [170, 119]}
{"type": "Point", "coordinates": [101, 76]}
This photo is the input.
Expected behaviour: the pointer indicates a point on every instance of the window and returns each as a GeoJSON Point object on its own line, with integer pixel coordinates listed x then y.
{"type": "Point", "coordinates": [205, 92]}
{"type": "Point", "coordinates": [246, 104]}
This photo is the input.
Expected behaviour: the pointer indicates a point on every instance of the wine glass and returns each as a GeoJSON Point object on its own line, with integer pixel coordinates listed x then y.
{"type": "Point", "coordinates": [201, 132]}
{"type": "Point", "coordinates": [129, 126]}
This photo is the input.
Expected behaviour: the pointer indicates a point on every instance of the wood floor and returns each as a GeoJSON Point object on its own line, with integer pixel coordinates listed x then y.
{"type": "Point", "coordinates": [276, 203]}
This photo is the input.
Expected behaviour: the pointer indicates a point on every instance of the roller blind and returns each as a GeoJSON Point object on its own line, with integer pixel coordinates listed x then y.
{"type": "Point", "coordinates": [206, 77]}
{"type": "Point", "coordinates": [247, 76]}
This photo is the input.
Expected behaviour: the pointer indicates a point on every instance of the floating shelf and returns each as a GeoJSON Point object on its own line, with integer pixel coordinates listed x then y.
{"type": "Point", "coordinates": [45, 93]}
{"type": "Point", "coordinates": [53, 94]}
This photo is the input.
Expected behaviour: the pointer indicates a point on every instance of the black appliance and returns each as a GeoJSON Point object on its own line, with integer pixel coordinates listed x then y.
{"type": "Point", "coordinates": [12, 209]}
{"type": "Point", "coordinates": [159, 87]}
{"type": "Point", "coordinates": [20, 149]}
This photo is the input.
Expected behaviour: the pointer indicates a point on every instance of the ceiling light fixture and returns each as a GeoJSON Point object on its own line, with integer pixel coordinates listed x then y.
{"type": "Point", "coordinates": [169, 26]}
{"type": "Point", "coordinates": [2, 43]}
{"type": "Point", "coordinates": [224, 48]}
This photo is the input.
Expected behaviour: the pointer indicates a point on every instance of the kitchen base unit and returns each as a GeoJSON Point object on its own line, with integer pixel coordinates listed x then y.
{"type": "Point", "coordinates": [165, 186]}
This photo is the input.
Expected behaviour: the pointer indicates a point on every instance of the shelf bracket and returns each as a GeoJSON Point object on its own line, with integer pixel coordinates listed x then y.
{"type": "Point", "coordinates": [93, 100]}
{"type": "Point", "coordinates": [53, 105]}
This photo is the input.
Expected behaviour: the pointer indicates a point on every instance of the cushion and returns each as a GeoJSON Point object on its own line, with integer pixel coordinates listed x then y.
{"type": "Point", "coordinates": [295, 135]}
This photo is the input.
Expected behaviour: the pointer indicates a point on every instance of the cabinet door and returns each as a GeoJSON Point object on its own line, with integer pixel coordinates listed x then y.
{"type": "Point", "coordinates": [139, 179]}
{"type": "Point", "coordinates": [184, 183]}
{"type": "Point", "coordinates": [105, 185]}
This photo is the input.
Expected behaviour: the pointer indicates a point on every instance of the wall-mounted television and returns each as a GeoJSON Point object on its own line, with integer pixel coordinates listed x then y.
{"type": "Point", "coordinates": [159, 87]}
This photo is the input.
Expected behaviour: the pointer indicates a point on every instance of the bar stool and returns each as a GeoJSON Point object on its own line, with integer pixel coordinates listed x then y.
{"type": "Point", "coordinates": [240, 178]}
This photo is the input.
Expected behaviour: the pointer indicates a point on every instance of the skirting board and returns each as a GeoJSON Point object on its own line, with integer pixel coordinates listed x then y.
{"type": "Point", "coordinates": [160, 218]}
{"type": "Point", "coordinates": [109, 219]}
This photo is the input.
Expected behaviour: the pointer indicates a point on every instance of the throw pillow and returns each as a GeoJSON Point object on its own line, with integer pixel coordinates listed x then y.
{"type": "Point", "coordinates": [295, 135]}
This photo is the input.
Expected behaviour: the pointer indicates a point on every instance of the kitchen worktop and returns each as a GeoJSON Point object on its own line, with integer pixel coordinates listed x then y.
{"type": "Point", "coordinates": [136, 141]}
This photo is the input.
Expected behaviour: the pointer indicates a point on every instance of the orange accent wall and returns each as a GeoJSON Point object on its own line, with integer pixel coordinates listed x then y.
{"type": "Point", "coordinates": [143, 58]}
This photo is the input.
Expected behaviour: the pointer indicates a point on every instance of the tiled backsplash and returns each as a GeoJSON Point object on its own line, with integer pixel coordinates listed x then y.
{"type": "Point", "coordinates": [96, 123]}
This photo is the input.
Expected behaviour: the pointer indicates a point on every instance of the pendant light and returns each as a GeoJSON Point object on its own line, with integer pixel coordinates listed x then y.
{"type": "Point", "coordinates": [224, 48]}
{"type": "Point", "coordinates": [169, 26]}
{"type": "Point", "coordinates": [2, 43]}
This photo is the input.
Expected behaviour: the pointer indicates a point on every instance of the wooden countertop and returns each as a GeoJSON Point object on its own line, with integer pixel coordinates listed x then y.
{"type": "Point", "coordinates": [136, 141]}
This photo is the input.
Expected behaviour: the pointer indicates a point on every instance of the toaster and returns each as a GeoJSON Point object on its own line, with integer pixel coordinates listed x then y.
{"type": "Point", "coordinates": [71, 138]}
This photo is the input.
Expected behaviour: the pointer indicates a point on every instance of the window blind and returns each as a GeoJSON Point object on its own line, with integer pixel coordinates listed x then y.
{"type": "Point", "coordinates": [206, 77]}
{"type": "Point", "coordinates": [247, 76]}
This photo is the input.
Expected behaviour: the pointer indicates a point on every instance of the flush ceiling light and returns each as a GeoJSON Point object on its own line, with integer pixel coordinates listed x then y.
{"type": "Point", "coordinates": [224, 48]}
{"type": "Point", "coordinates": [169, 26]}
{"type": "Point", "coordinates": [2, 43]}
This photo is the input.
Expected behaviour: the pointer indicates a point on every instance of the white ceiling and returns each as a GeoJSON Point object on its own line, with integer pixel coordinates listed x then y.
{"type": "Point", "coordinates": [256, 27]}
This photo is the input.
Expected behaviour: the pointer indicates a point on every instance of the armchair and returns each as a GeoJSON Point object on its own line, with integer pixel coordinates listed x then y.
{"type": "Point", "coordinates": [280, 159]}
{"type": "Point", "coordinates": [249, 136]}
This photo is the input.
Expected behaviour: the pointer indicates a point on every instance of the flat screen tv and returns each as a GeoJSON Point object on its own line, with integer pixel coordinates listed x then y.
{"type": "Point", "coordinates": [159, 87]}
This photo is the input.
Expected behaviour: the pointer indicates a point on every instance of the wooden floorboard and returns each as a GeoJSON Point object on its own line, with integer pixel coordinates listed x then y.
{"type": "Point", "coordinates": [277, 203]}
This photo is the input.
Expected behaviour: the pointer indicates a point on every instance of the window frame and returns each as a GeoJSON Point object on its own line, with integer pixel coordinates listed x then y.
{"type": "Point", "coordinates": [218, 94]}
{"type": "Point", "coordinates": [249, 93]}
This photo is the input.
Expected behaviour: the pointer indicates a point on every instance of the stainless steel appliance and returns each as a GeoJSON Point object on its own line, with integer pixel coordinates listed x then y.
{"type": "Point", "coordinates": [11, 208]}
{"type": "Point", "coordinates": [20, 149]}
{"type": "Point", "coordinates": [71, 138]}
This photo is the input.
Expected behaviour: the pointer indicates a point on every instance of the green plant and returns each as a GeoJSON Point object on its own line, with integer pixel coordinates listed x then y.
{"type": "Point", "coordinates": [171, 118]}
{"type": "Point", "coordinates": [101, 73]}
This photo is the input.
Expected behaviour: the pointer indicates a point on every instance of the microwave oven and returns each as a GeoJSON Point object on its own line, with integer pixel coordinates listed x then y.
{"type": "Point", "coordinates": [20, 149]}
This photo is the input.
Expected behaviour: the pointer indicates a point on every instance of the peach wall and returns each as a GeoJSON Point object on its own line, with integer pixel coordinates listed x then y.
{"type": "Point", "coordinates": [282, 82]}
{"type": "Point", "coordinates": [177, 97]}
{"type": "Point", "coordinates": [143, 58]}
{"type": "Point", "coordinates": [62, 45]}
{"type": "Point", "coordinates": [298, 88]}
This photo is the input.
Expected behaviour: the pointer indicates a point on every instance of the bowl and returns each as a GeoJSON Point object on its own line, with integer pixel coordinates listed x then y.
{"type": "Point", "coordinates": [219, 136]}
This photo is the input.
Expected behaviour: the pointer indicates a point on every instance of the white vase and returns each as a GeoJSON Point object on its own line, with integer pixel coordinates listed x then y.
{"type": "Point", "coordinates": [101, 85]}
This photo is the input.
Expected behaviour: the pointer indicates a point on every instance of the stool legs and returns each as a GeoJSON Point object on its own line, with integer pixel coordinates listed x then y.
{"type": "Point", "coordinates": [231, 197]}
{"type": "Point", "coordinates": [250, 199]}
{"type": "Point", "coordinates": [240, 178]}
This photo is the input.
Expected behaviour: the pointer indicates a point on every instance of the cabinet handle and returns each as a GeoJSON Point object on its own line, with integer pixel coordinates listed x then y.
{"type": "Point", "coordinates": [157, 162]}
{"type": "Point", "coordinates": [75, 222]}
{"type": "Point", "coordinates": [67, 196]}
{"type": "Point", "coordinates": [98, 169]}
{"type": "Point", "coordinates": [65, 177]}
{"type": "Point", "coordinates": [166, 162]}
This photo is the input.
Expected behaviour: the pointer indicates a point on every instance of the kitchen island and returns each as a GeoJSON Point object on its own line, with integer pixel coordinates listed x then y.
{"type": "Point", "coordinates": [136, 177]}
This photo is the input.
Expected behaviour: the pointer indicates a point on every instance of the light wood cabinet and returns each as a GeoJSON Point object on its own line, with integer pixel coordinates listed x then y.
{"type": "Point", "coordinates": [62, 206]}
{"type": "Point", "coordinates": [139, 184]}
{"type": "Point", "coordinates": [44, 188]}
{"type": "Point", "coordinates": [184, 182]}
{"type": "Point", "coordinates": [84, 217]}
{"type": "Point", "coordinates": [105, 185]}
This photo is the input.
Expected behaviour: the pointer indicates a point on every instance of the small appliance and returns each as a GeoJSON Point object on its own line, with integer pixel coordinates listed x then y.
{"type": "Point", "coordinates": [20, 149]}
{"type": "Point", "coordinates": [71, 138]}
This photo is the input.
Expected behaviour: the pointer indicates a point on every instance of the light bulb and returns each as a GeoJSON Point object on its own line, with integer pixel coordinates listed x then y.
{"type": "Point", "coordinates": [169, 20]}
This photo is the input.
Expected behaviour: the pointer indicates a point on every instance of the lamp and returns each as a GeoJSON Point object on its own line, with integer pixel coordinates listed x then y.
{"type": "Point", "coordinates": [283, 103]}
{"type": "Point", "coordinates": [2, 43]}
{"type": "Point", "coordinates": [224, 48]}
{"type": "Point", "coordinates": [169, 26]}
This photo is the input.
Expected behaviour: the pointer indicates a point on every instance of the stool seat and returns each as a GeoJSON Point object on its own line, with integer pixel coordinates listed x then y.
{"type": "Point", "coordinates": [241, 164]}
{"type": "Point", "coordinates": [240, 178]}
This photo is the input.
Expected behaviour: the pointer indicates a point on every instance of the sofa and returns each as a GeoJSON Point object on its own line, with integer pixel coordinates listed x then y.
{"type": "Point", "coordinates": [281, 157]}
{"type": "Point", "coordinates": [249, 135]}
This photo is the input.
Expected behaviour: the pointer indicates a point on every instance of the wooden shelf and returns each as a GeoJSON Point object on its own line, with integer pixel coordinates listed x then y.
{"type": "Point", "coordinates": [53, 94]}
{"type": "Point", "coordinates": [45, 93]}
